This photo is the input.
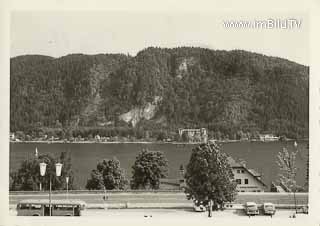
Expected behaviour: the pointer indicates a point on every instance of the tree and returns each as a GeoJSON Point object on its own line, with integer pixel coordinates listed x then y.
{"type": "Point", "coordinates": [287, 163]}
{"type": "Point", "coordinates": [96, 181]}
{"type": "Point", "coordinates": [148, 168]}
{"type": "Point", "coordinates": [209, 176]}
{"type": "Point", "coordinates": [306, 184]}
{"type": "Point", "coordinates": [27, 177]}
{"type": "Point", "coordinates": [108, 175]}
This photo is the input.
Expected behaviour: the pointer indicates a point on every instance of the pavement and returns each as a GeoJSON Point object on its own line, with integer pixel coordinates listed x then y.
{"type": "Point", "coordinates": [158, 208]}
{"type": "Point", "coordinates": [161, 216]}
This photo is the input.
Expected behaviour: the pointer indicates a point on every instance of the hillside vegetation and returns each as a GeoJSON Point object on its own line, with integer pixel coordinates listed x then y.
{"type": "Point", "coordinates": [233, 94]}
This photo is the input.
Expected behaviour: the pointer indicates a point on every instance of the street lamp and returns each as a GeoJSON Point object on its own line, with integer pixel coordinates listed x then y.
{"type": "Point", "coordinates": [295, 200]}
{"type": "Point", "coordinates": [43, 167]}
{"type": "Point", "coordinates": [67, 181]}
{"type": "Point", "coordinates": [105, 197]}
{"type": "Point", "coordinates": [182, 179]}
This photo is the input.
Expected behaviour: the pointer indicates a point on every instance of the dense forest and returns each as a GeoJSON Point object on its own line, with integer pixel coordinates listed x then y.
{"type": "Point", "coordinates": [233, 94]}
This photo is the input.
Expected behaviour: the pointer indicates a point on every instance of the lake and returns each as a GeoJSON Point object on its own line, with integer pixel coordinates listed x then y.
{"type": "Point", "coordinates": [260, 156]}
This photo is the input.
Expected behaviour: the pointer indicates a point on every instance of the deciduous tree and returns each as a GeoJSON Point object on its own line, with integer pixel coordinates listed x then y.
{"type": "Point", "coordinates": [28, 178]}
{"type": "Point", "coordinates": [148, 168]}
{"type": "Point", "coordinates": [287, 164]}
{"type": "Point", "coordinates": [209, 176]}
{"type": "Point", "coordinates": [108, 175]}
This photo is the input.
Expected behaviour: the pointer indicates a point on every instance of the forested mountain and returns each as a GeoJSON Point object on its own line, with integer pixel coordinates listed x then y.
{"type": "Point", "coordinates": [228, 92]}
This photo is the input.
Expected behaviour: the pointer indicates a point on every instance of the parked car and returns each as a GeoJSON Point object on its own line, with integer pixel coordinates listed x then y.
{"type": "Point", "coordinates": [303, 209]}
{"type": "Point", "coordinates": [269, 208]}
{"type": "Point", "coordinates": [251, 208]}
{"type": "Point", "coordinates": [199, 207]}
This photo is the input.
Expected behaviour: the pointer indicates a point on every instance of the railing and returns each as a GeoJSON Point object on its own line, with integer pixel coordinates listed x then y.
{"type": "Point", "coordinates": [94, 191]}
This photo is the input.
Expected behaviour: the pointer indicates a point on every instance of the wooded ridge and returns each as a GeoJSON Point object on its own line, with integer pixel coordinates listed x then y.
{"type": "Point", "coordinates": [231, 93]}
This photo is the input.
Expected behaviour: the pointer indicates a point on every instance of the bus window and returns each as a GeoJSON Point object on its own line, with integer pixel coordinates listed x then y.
{"type": "Point", "coordinates": [24, 206]}
{"type": "Point", "coordinates": [35, 206]}
{"type": "Point", "coordinates": [63, 207]}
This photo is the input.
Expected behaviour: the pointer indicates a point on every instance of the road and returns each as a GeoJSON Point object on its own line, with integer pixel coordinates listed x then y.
{"type": "Point", "coordinates": [164, 216]}
{"type": "Point", "coordinates": [121, 199]}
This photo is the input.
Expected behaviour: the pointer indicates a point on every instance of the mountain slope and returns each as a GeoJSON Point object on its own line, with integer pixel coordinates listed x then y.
{"type": "Point", "coordinates": [228, 92]}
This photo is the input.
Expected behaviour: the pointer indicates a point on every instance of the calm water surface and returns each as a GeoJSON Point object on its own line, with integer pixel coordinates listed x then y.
{"type": "Point", "coordinates": [258, 155]}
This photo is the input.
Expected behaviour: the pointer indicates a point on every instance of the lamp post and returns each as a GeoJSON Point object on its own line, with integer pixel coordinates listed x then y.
{"type": "Point", "coordinates": [67, 181]}
{"type": "Point", "coordinates": [43, 167]}
{"type": "Point", "coordinates": [182, 180]}
{"type": "Point", "coordinates": [105, 197]}
{"type": "Point", "coordinates": [210, 204]}
{"type": "Point", "coordinates": [295, 144]}
{"type": "Point", "coordinates": [295, 200]}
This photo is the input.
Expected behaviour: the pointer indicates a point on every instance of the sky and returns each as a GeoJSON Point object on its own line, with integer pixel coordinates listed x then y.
{"type": "Point", "coordinates": [58, 33]}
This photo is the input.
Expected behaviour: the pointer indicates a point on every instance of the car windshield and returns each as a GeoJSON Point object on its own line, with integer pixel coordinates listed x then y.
{"type": "Point", "coordinates": [268, 206]}
{"type": "Point", "coordinates": [252, 206]}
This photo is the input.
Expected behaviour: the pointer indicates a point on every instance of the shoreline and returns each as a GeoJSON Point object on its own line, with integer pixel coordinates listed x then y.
{"type": "Point", "coordinates": [143, 142]}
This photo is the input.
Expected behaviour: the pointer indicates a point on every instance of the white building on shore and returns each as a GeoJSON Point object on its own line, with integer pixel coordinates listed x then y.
{"type": "Point", "coordinates": [248, 180]}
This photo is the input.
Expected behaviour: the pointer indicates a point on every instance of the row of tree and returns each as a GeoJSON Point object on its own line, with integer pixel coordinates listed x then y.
{"type": "Point", "coordinates": [91, 133]}
{"type": "Point", "coordinates": [209, 177]}
{"type": "Point", "coordinates": [208, 174]}
{"type": "Point", "coordinates": [149, 167]}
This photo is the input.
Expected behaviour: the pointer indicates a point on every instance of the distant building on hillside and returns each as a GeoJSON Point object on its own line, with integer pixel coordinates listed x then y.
{"type": "Point", "coordinates": [268, 137]}
{"type": "Point", "coordinates": [195, 135]}
{"type": "Point", "coordinates": [248, 180]}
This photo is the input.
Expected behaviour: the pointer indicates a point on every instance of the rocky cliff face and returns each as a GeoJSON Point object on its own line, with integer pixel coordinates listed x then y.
{"type": "Point", "coordinates": [145, 112]}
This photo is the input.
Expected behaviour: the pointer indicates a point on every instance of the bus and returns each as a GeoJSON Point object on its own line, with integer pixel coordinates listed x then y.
{"type": "Point", "coordinates": [58, 207]}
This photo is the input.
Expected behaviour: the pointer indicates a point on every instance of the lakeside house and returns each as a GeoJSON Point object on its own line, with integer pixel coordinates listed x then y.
{"type": "Point", "coordinates": [248, 180]}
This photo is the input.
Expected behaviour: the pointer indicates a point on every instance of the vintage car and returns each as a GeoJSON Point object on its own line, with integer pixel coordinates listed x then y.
{"type": "Point", "coordinates": [268, 208]}
{"type": "Point", "coordinates": [251, 208]}
{"type": "Point", "coordinates": [199, 207]}
{"type": "Point", "coordinates": [303, 209]}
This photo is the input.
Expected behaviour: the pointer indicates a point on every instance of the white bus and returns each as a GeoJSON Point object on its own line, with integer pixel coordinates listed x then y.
{"type": "Point", "coordinates": [58, 207]}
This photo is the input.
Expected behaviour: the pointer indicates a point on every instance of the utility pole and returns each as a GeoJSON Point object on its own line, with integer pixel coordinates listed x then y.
{"type": "Point", "coordinates": [210, 208]}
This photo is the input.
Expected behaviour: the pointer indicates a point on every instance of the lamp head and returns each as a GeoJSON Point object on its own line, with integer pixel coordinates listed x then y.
{"type": "Point", "coordinates": [58, 169]}
{"type": "Point", "coordinates": [43, 167]}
